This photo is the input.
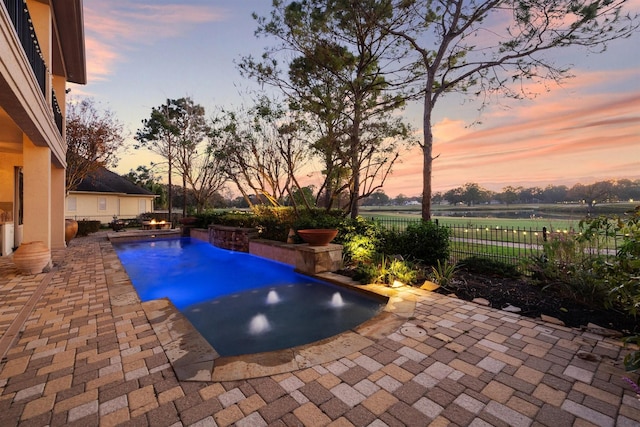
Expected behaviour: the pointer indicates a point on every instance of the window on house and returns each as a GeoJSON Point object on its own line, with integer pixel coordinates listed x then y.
{"type": "Point", "coordinates": [72, 204]}
{"type": "Point", "coordinates": [102, 203]}
{"type": "Point", "coordinates": [142, 206]}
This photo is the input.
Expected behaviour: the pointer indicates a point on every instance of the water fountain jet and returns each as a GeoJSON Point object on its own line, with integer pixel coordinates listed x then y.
{"type": "Point", "coordinates": [336, 300]}
{"type": "Point", "coordinates": [259, 324]}
{"type": "Point", "coordinates": [272, 297]}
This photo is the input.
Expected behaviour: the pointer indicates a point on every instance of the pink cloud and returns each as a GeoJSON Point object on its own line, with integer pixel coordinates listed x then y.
{"type": "Point", "coordinates": [547, 142]}
{"type": "Point", "coordinates": [115, 27]}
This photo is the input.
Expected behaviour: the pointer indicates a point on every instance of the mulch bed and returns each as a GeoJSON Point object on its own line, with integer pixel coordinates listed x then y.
{"type": "Point", "coordinates": [534, 301]}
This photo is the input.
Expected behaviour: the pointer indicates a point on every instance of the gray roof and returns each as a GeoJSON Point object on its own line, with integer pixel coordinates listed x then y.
{"type": "Point", "coordinates": [105, 181]}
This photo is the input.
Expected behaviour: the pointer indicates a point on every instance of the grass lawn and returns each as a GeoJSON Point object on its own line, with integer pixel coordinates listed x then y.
{"type": "Point", "coordinates": [556, 217]}
{"type": "Point", "coordinates": [479, 222]}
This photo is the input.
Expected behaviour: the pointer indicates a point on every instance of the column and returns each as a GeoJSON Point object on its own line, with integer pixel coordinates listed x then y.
{"type": "Point", "coordinates": [37, 192]}
{"type": "Point", "coordinates": [57, 207]}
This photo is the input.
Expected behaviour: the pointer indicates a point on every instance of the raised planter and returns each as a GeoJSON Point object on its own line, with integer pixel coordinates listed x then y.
{"type": "Point", "coordinates": [306, 259]}
{"type": "Point", "coordinates": [274, 250]}
{"type": "Point", "coordinates": [312, 260]}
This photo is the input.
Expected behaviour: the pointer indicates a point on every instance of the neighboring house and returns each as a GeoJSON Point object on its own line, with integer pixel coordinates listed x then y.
{"type": "Point", "coordinates": [104, 195]}
{"type": "Point", "coordinates": [41, 49]}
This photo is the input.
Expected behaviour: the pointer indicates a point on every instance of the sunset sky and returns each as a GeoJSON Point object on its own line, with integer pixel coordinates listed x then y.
{"type": "Point", "coordinates": [139, 53]}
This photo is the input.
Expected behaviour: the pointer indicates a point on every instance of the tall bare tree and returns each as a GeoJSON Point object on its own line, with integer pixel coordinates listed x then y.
{"type": "Point", "coordinates": [492, 47]}
{"type": "Point", "coordinates": [93, 137]}
{"type": "Point", "coordinates": [258, 149]}
{"type": "Point", "coordinates": [205, 175]}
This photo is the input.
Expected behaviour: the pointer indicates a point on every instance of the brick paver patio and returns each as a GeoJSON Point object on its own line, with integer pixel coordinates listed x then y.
{"type": "Point", "coordinates": [75, 356]}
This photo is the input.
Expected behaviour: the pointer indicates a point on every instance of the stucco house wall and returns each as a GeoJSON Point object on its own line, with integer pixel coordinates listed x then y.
{"type": "Point", "coordinates": [104, 195]}
{"type": "Point", "coordinates": [41, 49]}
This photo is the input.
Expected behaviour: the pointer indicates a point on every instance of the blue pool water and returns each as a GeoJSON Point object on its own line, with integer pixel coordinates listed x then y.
{"type": "Point", "coordinates": [239, 302]}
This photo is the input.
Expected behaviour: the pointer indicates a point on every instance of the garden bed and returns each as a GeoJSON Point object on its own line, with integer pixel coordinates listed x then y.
{"type": "Point", "coordinates": [534, 301]}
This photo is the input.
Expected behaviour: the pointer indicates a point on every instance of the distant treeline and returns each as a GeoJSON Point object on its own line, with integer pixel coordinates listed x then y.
{"type": "Point", "coordinates": [620, 190]}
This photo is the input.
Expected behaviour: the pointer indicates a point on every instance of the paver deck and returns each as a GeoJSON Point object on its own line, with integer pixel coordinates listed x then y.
{"type": "Point", "coordinates": [79, 349]}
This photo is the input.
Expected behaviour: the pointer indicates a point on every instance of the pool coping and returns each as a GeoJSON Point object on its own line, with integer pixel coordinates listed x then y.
{"type": "Point", "coordinates": [194, 359]}
{"type": "Point", "coordinates": [133, 235]}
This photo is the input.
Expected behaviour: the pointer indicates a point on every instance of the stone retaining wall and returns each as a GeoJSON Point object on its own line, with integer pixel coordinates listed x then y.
{"type": "Point", "coordinates": [232, 238]}
{"type": "Point", "coordinates": [200, 234]}
{"type": "Point", "coordinates": [271, 249]}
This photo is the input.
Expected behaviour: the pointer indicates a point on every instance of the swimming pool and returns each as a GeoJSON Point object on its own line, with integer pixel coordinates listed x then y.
{"type": "Point", "coordinates": [239, 302]}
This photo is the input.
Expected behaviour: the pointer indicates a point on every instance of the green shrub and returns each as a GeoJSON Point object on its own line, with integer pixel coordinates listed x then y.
{"type": "Point", "coordinates": [273, 222]}
{"type": "Point", "coordinates": [423, 241]}
{"type": "Point", "coordinates": [237, 219]}
{"type": "Point", "coordinates": [318, 219]}
{"type": "Point", "coordinates": [566, 267]}
{"type": "Point", "coordinates": [228, 218]}
{"type": "Point", "coordinates": [622, 275]}
{"type": "Point", "coordinates": [562, 258]}
{"type": "Point", "coordinates": [285, 214]}
{"type": "Point", "coordinates": [626, 271]}
{"type": "Point", "coordinates": [205, 218]}
{"type": "Point", "coordinates": [382, 255]}
{"type": "Point", "coordinates": [360, 239]}
{"type": "Point", "coordinates": [86, 227]}
{"type": "Point", "coordinates": [365, 273]}
{"type": "Point", "coordinates": [575, 265]}
{"type": "Point", "coordinates": [402, 271]}
{"type": "Point", "coordinates": [272, 228]}
{"type": "Point", "coordinates": [481, 265]}
{"type": "Point", "coordinates": [386, 270]}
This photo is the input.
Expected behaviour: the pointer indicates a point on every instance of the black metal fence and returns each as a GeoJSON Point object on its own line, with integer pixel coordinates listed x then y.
{"type": "Point", "coordinates": [512, 245]}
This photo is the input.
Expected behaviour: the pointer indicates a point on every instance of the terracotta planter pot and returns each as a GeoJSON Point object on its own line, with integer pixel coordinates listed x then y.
{"type": "Point", "coordinates": [70, 230]}
{"type": "Point", "coordinates": [318, 236]}
{"type": "Point", "coordinates": [32, 257]}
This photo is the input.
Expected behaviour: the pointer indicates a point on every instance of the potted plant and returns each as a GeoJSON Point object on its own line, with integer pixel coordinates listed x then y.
{"type": "Point", "coordinates": [317, 227]}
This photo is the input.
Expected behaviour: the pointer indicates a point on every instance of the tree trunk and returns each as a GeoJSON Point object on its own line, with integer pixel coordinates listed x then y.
{"type": "Point", "coordinates": [353, 208]}
{"type": "Point", "coordinates": [355, 161]}
{"type": "Point", "coordinates": [427, 150]}
{"type": "Point", "coordinates": [184, 195]}
{"type": "Point", "coordinates": [169, 193]}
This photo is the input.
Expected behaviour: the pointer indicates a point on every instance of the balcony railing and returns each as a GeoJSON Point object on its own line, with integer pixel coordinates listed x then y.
{"type": "Point", "coordinates": [19, 15]}
{"type": "Point", "coordinates": [57, 113]}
